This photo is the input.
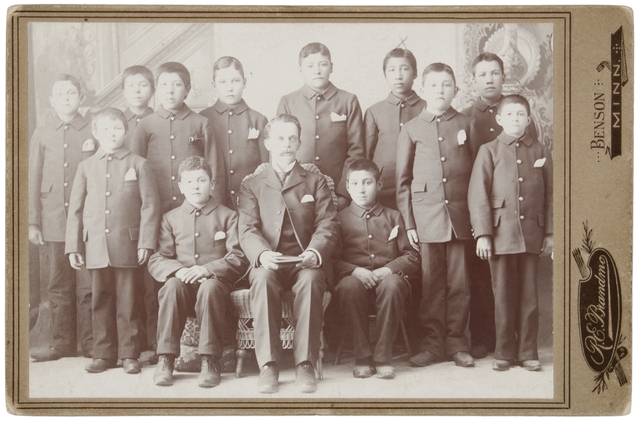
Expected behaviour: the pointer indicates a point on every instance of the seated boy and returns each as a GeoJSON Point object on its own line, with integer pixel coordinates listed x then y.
{"type": "Point", "coordinates": [286, 210]}
{"type": "Point", "coordinates": [513, 224]}
{"type": "Point", "coordinates": [373, 259]}
{"type": "Point", "coordinates": [112, 228]}
{"type": "Point", "coordinates": [198, 259]}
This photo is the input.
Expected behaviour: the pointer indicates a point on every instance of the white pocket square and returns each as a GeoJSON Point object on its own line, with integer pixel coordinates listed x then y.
{"type": "Point", "coordinates": [307, 198]}
{"type": "Point", "coordinates": [220, 236]}
{"type": "Point", "coordinates": [253, 133]}
{"type": "Point", "coordinates": [539, 162]}
{"type": "Point", "coordinates": [130, 175]}
{"type": "Point", "coordinates": [335, 117]}
{"type": "Point", "coordinates": [394, 233]}
{"type": "Point", "coordinates": [462, 136]}
{"type": "Point", "coordinates": [88, 145]}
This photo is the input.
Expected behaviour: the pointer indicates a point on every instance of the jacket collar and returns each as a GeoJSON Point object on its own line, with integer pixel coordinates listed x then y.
{"type": "Point", "coordinates": [296, 177]}
{"type": "Point", "coordinates": [119, 154]}
{"type": "Point", "coordinates": [411, 99]}
{"type": "Point", "coordinates": [448, 114]}
{"type": "Point", "coordinates": [360, 212]}
{"type": "Point", "coordinates": [180, 114]}
{"type": "Point", "coordinates": [327, 93]}
{"type": "Point", "coordinates": [239, 108]}
{"type": "Point", "coordinates": [508, 140]}
{"type": "Point", "coordinates": [130, 115]}
{"type": "Point", "coordinates": [206, 209]}
{"type": "Point", "coordinates": [482, 106]}
{"type": "Point", "coordinates": [77, 123]}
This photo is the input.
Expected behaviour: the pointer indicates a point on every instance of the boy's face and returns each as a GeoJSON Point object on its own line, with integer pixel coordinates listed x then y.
{"type": "Point", "coordinates": [110, 133]}
{"type": "Point", "coordinates": [363, 188]}
{"type": "Point", "coordinates": [514, 119]}
{"type": "Point", "coordinates": [489, 80]}
{"type": "Point", "coordinates": [65, 98]}
{"type": "Point", "coordinates": [196, 186]}
{"type": "Point", "coordinates": [171, 91]}
{"type": "Point", "coordinates": [439, 89]}
{"type": "Point", "coordinates": [315, 69]}
{"type": "Point", "coordinates": [400, 76]}
{"type": "Point", "coordinates": [229, 85]}
{"type": "Point", "coordinates": [283, 142]}
{"type": "Point", "coordinates": [137, 91]}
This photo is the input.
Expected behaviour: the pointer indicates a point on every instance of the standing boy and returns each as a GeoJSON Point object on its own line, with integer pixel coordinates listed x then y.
{"type": "Point", "coordinates": [137, 88]}
{"type": "Point", "coordinates": [286, 210]}
{"type": "Point", "coordinates": [374, 261]}
{"type": "Point", "coordinates": [511, 204]}
{"type": "Point", "coordinates": [332, 134]}
{"type": "Point", "coordinates": [198, 260]}
{"type": "Point", "coordinates": [56, 150]}
{"type": "Point", "coordinates": [238, 128]}
{"type": "Point", "coordinates": [111, 230]}
{"type": "Point", "coordinates": [433, 172]}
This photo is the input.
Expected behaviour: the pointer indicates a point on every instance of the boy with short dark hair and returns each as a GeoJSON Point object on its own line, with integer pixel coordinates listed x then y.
{"type": "Point", "coordinates": [138, 89]}
{"type": "Point", "coordinates": [373, 260]}
{"type": "Point", "coordinates": [332, 134]}
{"type": "Point", "coordinates": [56, 150]}
{"type": "Point", "coordinates": [433, 172]}
{"type": "Point", "coordinates": [238, 128]}
{"type": "Point", "coordinates": [112, 229]}
{"type": "Point", "coordinates": [198, 260]}
{"type": "Point", "coordinates": [511, 205]}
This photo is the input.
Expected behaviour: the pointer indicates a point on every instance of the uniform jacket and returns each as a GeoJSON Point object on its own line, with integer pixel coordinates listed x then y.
{"type": "Point", "coordinates": [373, 239]}
{"type": "Point", "coordinates": [332, 133]}
{"type": "Point", "coordinates": [166, 139]}
{"type": "Point", "coordinates": [132, 123]}
{"type": "Point", "coordinates": [206, 237]}
{"type": "Point", "coordinates": [434, 166]}
{"type": "Point", "coordinates": [239, 132]}
{"type": "Point", "coordinates": [307, 200]}
{"type": "Point", "coordinates": [56, 150]}
{"type": "Point", "coordinates": [510, 196]}
{"type": "Point", "coordinates": [114, 210]}
{"type": "Point", "coordinates": [487, 129]}
{"type": "Point", "coordinates": [382, 124]}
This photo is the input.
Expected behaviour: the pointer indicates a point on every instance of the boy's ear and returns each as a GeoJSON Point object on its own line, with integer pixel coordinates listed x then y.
{"type": "Point", "coordinates": [180, 187]}
{"type": "Point", "coordinates": [330, 67]}
{"type": "Point", "coordinates": [455, 91]}
{"type": "Point", "coordinates": [213, 184]}
{"type": "Point", "coordinates": [380, 183]}
{"type": "Point", "coordinates": [188, 90]}
{"type": "Point", "coordinates": [498, 118]}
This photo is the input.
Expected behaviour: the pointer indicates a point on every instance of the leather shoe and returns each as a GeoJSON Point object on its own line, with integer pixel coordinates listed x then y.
{"type": "Point", "coordinates": [45, 355]}
{"type": "Point", "coordinates": [209, 372]}
{"type": "Point", "coordinates": [385, 371]}
{"type": "Point", "coordinates": [501, 365]}
{"type": "Point", "coordinates": [153, 359]}
{"type": "Point", "coordinates": [531, 365]}
{"type": "Point", "coordinates": [363, 371]}
{"type": "Point", "coordinates": [479, 351]}
{"type": "Point", "coordinates": [463, 359]}
{"type": "Point", "coordinates": [164, 371]}
{"type": "Point", "coordinates": [100, 365]}
{"type": "Point", "coordinates": [131, 366]}
{"type": "Point", "coordinates": [268, 379]}
{"type": "Point", "coordinates": [423, 358]}
{"type": "Point", "coordinates": [306, 378]}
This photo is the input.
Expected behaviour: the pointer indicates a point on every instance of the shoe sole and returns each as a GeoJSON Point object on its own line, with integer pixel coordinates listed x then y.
{"type": "Point", "coordinates": [465, 364]}
{"type": "Point", "coordinates": [418, 364]}
{"type": "Point", "coordinates": [533, 369]}
{"type": "Point", "coordinates": [386, 376]}
{"type": "Point", "coordinates": [164, 383]}
{"type": "Point", "coordinates": [208, 384]}
{"type": "Point", "coordinates": [132, 371]}
{"type": "Point", "coordinates": [308, 388]}
{"type": "Point", "coordinates": [268, 389]}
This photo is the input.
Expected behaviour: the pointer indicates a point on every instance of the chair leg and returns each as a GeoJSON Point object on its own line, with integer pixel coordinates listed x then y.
{"type": "Point", "coordinates": [340, 347]}
{"type": "Point", "coordinates": [406, 338]}
{"type": "Point", "coordinates": [240, 353]}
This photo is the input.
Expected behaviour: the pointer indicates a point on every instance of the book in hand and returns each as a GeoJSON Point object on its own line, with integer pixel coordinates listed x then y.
{"type": "Point", "coordinates": [286, 259]}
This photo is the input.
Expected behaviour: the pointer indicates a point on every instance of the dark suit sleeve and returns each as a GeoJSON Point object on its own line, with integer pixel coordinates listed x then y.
{"type": "Point", "coordinates": [408, 261]}
{"type": "Point", "coordinates": [213, 154]}
{"type": "Point", "coordinates": [370, 134]}
{"type": "Point", "coordinates": [404, 176]}
{"type": "Point", "coordinates": [150, 211]}
{"type": "Point", "coordinates": [264, 154]}
{"type": "Point", "coordinates": [547, 172]}
{"type": "Point", "coordinates": [355, 143]}
{"type": "Point", "coordinates": [250, 227]}
{"type": "Point", "coordinates": [326, 230]}
{"type": "Point", "coordinates": [140, 140]}
{"type": "Point", "coordinates": [73, 236]}
{"type": "Point", "coordinates": [163, 262]}
{"type": "Point", "coordinates": [474, 140]}
{"type": "Point", "coordinates": [480, 186]}
{"type": "Point", "coordinates": [341, 267]}
{"type": "Point", "coordinates": [234, 264]}
{"type": "Point", "coordinates": [36, 163]}
{"type": "Point", "coordinates": [283, 107]}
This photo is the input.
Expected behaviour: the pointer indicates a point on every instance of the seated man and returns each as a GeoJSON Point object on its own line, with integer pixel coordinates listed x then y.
{"type": "Point", "coordinates": [287, 211]}
{"type": "Point", "coordinates": [373, 260]}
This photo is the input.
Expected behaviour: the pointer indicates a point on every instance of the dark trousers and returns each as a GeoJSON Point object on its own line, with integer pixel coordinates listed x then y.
{"type": "Point", "coordinates": [70, 302]}
{"type": "Point", "coordinates": [482, 325]}
{"type": "Point", "coordinates": [355, 300]}
{"type": "Point", "coordinates": [444, 308]}
{"type": "Point", "coordinates": [514, 279]}
{"type": "Point", "coordinates": [147, 294]}
{"type": "Point", "coordinates": [116, 321]}
{"type": "Point", "coordinates": [308, 287]}
{"type": "Point", "coordinates": [206, 301]}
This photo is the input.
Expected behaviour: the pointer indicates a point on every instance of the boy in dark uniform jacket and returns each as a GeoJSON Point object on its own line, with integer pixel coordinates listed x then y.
{"type": "Point", "coordinates": [137, 88]}
{"type": "Point", "coordinates": [287, 210]}
{"type": "Point", "coordinates": [383, 120]}
{"type": "Point", "coordinates": [56, 150]}
{"type": "Point", "coordinates": [111, 230]}
{"type": "Point", "coordinates": [332, 135]}
{"type": "Point", "coordinates": [374, 260]}
{"type": "Point", "coordinates": [237, 128]}
{"type": "Point", "coordinates": [511, 204]}
{"type": "Point", "coordinates": [433, 172]}
{"type": "Point", "coordinates": [198, 260]}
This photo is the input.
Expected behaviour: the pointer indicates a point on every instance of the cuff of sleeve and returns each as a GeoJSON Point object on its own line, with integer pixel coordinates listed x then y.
{"type": "Point", "coordinates": [317, 255]}
{"type": "Point", "coordinates": [257, 263]}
